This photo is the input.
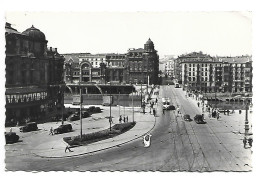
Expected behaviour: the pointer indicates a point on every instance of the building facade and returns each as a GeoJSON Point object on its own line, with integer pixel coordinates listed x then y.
{"type": "Point", "coordinates": [142, 65]}
{"type": "Point", "coordinates": [96, 68]}
{"type": "Point", "coordinates": [137, 66]}
{"type": "Point", "coordinates": [205, 74]}
{"type": "Point", "coordinates": [34, 76]}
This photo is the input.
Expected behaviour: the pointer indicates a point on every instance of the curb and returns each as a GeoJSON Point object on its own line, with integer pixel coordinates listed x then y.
{"type": "Point", "coordinates": [86, 153]}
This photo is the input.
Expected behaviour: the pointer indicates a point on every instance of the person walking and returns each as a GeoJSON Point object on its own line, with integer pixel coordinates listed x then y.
{"type": "Point", "coordinates": [250, 141]}
{"type": "Point", "coordinates": [244, 142]}
{"type": "Point", "coordinates": [198, 104]}
{"type": "Point", "coordinates": [154, 112]}
{"type": "Point", "coordinates": [120, 119]}
{"type": "Point", "coordinates": [124, 119]}
{"type": "Point", "coordinates": [178, 111]}
{"type": "Point", "coordinates": [217, 115]}
{"type": "Point", "coordinates": [51, 131]}
{"type": "Point", "coordinates": [67, 148]}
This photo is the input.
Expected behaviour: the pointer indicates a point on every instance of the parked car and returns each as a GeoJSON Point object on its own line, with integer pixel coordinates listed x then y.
{"type": "Point", "coordinates": [199, 119]}
{"type": "Point", "coordinates": [187, 117]}
{"type": "Point", "coordinates": [30, 126]}
{"type": "Point", "coordinates": [63, 129]}
{"type": "Point", "coordinates": [73, 117]}
{"type": "Point", "coordinates": [85, 114]}
{"type": "Point", "coordinates": [11, 137]}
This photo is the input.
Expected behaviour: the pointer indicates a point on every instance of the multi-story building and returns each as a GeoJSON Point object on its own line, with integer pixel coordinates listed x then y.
{"type": "Point", "coordinates": [237, 74]}
{"type": "Point", "coordinates": [206, 74]}
{"type": "Point", "coordinates": [137, 66]}
{"type": "Point", "coordinates": [142, 65]}
{"type": "Point", "coordinates": [96, 68]}
{"type": "Point", "coordinates": [169, 68]}
{"type": "Point", "coordinates": [196, 71]}
{"type": "Point", "coordinates": [34, 76]}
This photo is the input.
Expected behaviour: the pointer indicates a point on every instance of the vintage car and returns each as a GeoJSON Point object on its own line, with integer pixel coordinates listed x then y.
{"type": "Point", "coordinates": [11, 137]}
{"type": "Point", "coordinates": [63, 129]}
{"type": "Point", "coordinates": [187, 117]}
{"type": "Point", "coordinates": [199, 119]}
{"type": "Point", "coordinates": [73, 117]}
{"type": "Point", "coordinates": [30, 126]}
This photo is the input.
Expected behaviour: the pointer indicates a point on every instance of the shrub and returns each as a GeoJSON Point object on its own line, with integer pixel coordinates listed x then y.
{"type": "Point", "coordinates": [101, 135]}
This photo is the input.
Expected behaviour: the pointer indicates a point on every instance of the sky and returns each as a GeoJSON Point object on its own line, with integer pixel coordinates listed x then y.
{"type": "Point", "coordinates": [173, 33]}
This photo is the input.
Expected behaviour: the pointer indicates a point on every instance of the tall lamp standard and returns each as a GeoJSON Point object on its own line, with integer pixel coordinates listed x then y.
{"type": "Point", "coordinates": [110, 103]}
{"type": "Point", "coordinates": [141, 94]}
{"type": "Point", "coordinates": [80, 94]}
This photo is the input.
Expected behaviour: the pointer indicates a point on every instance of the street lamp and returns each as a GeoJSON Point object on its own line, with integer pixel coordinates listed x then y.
{"type": "Point", "coordinates": [80, 93]}
{"type": "Point", "coordinates": [141, 94]}
{"type": "Point", "coordinates": [110, 103]}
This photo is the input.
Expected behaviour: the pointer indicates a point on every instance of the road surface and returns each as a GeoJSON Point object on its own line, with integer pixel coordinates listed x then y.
{"type": "Point", "coordinates": [176, 145]}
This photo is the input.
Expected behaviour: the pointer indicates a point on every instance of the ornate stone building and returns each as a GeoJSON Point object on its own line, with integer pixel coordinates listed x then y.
{"type": "Point", "coordinates": [142, 65]}
{"type": "Point", "coordinates": [34, 76]}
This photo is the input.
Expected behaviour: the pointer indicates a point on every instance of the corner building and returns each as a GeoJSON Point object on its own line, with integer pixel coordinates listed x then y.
{"type": "Point", "coordinates": [34, 77]}
{"type": "Point", "coordinates": [142, 65]}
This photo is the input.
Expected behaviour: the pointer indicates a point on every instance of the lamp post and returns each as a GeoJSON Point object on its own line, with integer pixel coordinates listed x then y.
{"type": "Point", "coordinates": [141, 95]}
{"type": "Point", "coordinates": [119, 103]}
{"type": "Point", "coordinates": [80, 94]}
{"type": "Point", "coordinates": [110, 103]}
{"type": "Point", "coordinates": [133, 103]}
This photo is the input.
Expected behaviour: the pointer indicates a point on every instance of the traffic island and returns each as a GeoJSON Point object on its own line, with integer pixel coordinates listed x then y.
{"type": "Point", "coordinates": [86, 139]}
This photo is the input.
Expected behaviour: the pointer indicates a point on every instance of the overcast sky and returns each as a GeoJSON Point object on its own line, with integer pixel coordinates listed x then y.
{"type": "Point", "coordinates": [173, 33]}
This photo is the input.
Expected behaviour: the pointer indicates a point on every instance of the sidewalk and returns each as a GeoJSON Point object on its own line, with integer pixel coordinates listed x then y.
{"type": "Point", "coordinates": [235, 121]}
{"type": "Point", "coordinates": [56, 149]}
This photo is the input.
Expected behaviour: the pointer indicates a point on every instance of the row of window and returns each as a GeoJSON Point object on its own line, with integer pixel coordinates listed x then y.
{"type": "Point", "coordinates": [20, 98]}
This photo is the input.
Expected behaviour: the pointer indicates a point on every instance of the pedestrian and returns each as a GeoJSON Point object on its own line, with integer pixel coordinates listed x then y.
{"type": "Point", "coordinates": [154, 112]}
{"type": "Point", "coordinates": [120, 119]}
{"type": "Point", "coordinates": [124, 119]}
{"type": "Point", "coordinates": [217, 115]}
{"type": "Point", "coordinates": [250, 141]}
{"type": "Point", "coordinates": [240, 111]}
{"type": "Point", "coordinates": [228, 112]}
{"type": "Point", "coordinates": [51, 131]}
{"type": "Point", "coordinates": [198, 104]}
{"type": "Point", "coordinates": [224, 112]}
{"type": "Point", "coordinates": [67, 148]}
{"type": "Point", "coordinates": [244, 142]}
{"type": "Point", "coordinates": [209, 115]}
{"type": "Point", "coordinates": [156, 100]}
